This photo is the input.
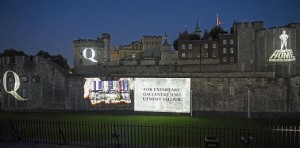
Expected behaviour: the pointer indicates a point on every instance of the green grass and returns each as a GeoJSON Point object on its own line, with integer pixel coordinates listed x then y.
{"type": "Point", "coordinates": [161, 130]}
{"type": "Point", "coordinates": [159, 119]}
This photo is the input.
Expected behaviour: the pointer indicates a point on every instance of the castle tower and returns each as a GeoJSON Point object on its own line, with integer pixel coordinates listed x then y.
{"type": "Point", "coordinates": [151, 42]}
{"type": "Point", "coordinates": [106, 43]}
{"type": "Point", "coordinates": [88, 52]}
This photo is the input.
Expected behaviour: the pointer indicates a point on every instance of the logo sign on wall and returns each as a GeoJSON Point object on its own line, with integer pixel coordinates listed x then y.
{"type": "Point", "coordinates": [283, 54]}
{"type": "Point", "coordinates": [16, 85]}
{"type": "Point", "coordinates": [162, 95]}
{"type": "Point", "coordinates": [100, 92]}
{"type": "Point", "coordinates": [89, 54]}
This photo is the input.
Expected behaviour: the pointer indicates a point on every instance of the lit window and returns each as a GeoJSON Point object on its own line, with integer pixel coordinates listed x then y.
{"type": "Point", "coordinates": [214, 45]}
{"type": "Point", "coordinates": [190, 46]}
{"type": "Point", "coordinates": [224, 42]}
{"type": "Point", "coordinates": [224, 50]}
{"type": "Point", "coordinates": [231, 59]}
{"type": "Point", "coordinates": [133, 55]}
{"type": "Point", "coordinates": [231, 50]}
{"type": "Point", "coordinates": [190, 55]}
{"type": "Point", "coordinates": [224, 59]}
{"type": "Point", "coordinates": [182, 46]}
{"type": "Point", "coordinates": [206, 46]}
{"type": "Point", "coordinates": [183, 55]}
{"type": "Point", "coordinates": [231, 41]}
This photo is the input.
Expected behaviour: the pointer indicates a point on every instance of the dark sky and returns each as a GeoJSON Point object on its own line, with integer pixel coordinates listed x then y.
{"type": "Point", "coordinates": [52, 25]}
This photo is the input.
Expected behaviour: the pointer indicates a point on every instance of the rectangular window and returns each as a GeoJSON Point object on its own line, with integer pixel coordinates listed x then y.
{"type": "Point", "coordinates": [214, 45]}
{"type": "Point", "coordinates": [214, 54]}
{"type": "Point", "coordinates": [36, 79]}
{"type": "Point", "coordinates": [190, 46]}
{"type": "Point", "coordinates": [244, 34]}
{"type": "Point", "coordinates": [24, 93]}
{"type": "Point", "coordinates": [183, 55]}
{"type": "Point", "coordinates": [198, 55]}
{"type": "Point", "coordinates": [133, 55]}
{"type": "Point", "coordinates": [182, 46]}
{"type": "Point", "coordinates": [231, 59]}
{"type": "Point", "coordinates": [190, 55]}
{"type": "Point", "coordinates": [24, 79]}
{"type": "Point", "coordinates": [231, 41]}
{"type": "Point", "coordinates": [206, 54]}
{"type": "Point", "coordinates": [224, 50]}
{"type": "Point", "coordinates": [231, 50]}
{"type": "Point", "coordinates": [205, 46]}
{"type": "Point", "coordinates": [224, 42]}
{"type": "Point", "coordinates": [224, 59]}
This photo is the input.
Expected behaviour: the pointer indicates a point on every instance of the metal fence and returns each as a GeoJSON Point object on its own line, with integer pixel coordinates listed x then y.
{"type": "Point", "coordinates": [110, 134]}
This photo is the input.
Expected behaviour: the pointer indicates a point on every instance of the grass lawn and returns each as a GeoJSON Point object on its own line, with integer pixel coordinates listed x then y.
{"type": "Point", "coordinates": [92, 129]}
{"type": "Point", "coordinates": [159, 119]}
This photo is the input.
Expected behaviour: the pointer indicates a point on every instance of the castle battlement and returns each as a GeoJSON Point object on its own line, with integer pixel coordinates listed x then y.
{"type": "Point", "coordinates": [273, 30]}
{"type": "Point", "coordinates": [253, 25]}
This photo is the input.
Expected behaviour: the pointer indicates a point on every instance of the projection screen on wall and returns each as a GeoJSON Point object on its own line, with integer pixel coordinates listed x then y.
{"type": "Point", "coordinates": [162, 95]}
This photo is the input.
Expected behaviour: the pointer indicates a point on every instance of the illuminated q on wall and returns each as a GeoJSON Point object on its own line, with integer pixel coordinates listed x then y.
{"type": "Point", "coordinates": [16, 85]}
{"type": "Point", "coordinates": [283, 54]}
{"type": "Point", "coordinates": [162, 94]}
{"type": "Point", "coordinates": [91, 52]}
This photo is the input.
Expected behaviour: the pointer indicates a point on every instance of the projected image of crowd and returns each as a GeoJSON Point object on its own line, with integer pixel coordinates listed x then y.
{"type": "Point", "coordinates": [108, 92]}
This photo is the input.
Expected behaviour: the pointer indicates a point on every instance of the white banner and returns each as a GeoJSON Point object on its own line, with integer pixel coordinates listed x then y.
{"type": "Point", "coordinates": [162, 95]}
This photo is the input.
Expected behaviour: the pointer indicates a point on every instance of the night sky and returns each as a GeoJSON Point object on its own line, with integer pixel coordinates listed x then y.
{"type": "Point", "coordinates": [52, 25]}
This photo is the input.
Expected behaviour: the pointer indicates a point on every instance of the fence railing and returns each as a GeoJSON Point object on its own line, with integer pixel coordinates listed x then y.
{"type": "Point", "coordinates": [107, 134]}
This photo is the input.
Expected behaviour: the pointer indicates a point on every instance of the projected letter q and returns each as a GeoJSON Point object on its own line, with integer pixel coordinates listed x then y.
{"type": "Point", "coordinates": [91, 56]}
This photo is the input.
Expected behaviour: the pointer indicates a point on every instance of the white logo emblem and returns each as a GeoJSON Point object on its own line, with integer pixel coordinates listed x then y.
{"type": "Point", "coordinates": [92, 54]}
{"type": "Point", "coordinates": [16, 87]}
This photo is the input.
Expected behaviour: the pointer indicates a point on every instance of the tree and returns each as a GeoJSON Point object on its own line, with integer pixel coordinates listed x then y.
{"type": "Point", "coordinates": [44, 54]}
{"type": "Point", "coordinates": [175, 44]}
{"type": "Point", "coordinates": [215, 32]}
{"type": "Point", "coordinates": [12, 52]}
{"type": "Point", "coordinates": [58, 59]}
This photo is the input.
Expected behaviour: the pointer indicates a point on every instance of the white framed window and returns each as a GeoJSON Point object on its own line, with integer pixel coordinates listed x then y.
{"type": "Point", "coordinates": [231, 41]}
{"type": "Point", "coordinates": [182, 46]}
{"type": "Point", "coordinates": [190, 46]}
{"type": "Point", "coordinates": [224, 42]}
{"type": "Point", "coordinates": [224, 59]}
{"type": "Point", "coordinates": [205, 46]}
{"type": "Point", "coordinates": [133, 55]}
{"type": "Point", "coordinates": [206, 54]}
{"type": "Point", "coordinates": [214, 45]}
{"type": "Point", "coordinates": [231, 50]}
{"type": "Point", "coordinates": [183, 55]}
{"type": "Point", "coordinates": [214, 54]}
{"type": "Point", "coordinates": [190, 55]}
{"type": "Point", "coordinates": [224, 50]}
